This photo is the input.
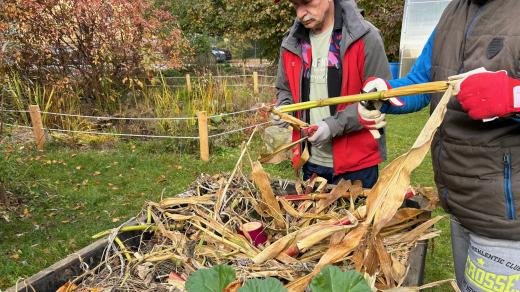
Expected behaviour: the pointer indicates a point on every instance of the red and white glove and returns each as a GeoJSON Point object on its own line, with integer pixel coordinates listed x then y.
{"type": "Point", "coordinates": [489, 94]}
{"type": "Point", "coordinates": [372, 120]}
{"type": "Point", "coordinates": [378, 84]}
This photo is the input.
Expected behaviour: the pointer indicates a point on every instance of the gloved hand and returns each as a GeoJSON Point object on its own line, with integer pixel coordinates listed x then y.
{"type": "Point", "coordinates": [463, 76]}
{"type": "Point", "coordinates": [321, 135]}
{"type": "Point", "coordinates": [372, 120]}
{"type": "Point", "coordinates": [377, 84]}
{"type": "Point", "coordinates": [277, 121]}
{"type": "Point", "coordinates": [489, 94]}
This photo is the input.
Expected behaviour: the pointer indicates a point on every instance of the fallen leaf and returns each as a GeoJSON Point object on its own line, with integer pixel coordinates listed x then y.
{"type": "Point", "coordinates": [161, 178]}
{"type": "Point", "coordinates": [78, 167]}
{"type": "Point", "coordinates": [96, 173]}
{"type": "Point", "coordinates": [79, 206]}
{"type": "Point", "coordinates": [26, 213]}
{"type": "Point", "coordinates": [67, 287]}
{"type": "Point", "coordinates": [114, 220]}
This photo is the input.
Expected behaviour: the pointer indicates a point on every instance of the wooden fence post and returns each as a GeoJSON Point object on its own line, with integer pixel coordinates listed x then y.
{"type": "Point", "coordinates": [37, 126]}
{"type": "Point", "coordinates": [188, 83]}
{"type": "Point", "coordinates": [255, 83]}
{"type": "Point", "coordinates": [203, 135]}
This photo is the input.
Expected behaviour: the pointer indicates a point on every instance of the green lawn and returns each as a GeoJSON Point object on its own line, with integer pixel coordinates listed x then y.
{"type": "Point", "coordinates": [67, 194]}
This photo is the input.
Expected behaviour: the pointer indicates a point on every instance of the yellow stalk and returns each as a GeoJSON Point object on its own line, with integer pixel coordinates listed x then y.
{"type": "Point", "coordinates": [123, 248]}
{"type": "Point", "coordinates": [126, 229]}
{"type": "Point", "coordinates": [430, 87]}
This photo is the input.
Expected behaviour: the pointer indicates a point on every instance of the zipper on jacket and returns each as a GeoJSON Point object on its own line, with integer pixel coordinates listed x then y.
{"type": "Point", "coordinates": [510, 203]}
{"type": "Point", "coordinates": [467, 33]}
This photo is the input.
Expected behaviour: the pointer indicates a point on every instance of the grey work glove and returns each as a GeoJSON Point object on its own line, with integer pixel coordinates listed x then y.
{"type": "Point", "coordinates": [277, 121]}
{"type": "Point", "coordinates": [321, 136]}
{"type": "Point", "coordinates": [372, 120]}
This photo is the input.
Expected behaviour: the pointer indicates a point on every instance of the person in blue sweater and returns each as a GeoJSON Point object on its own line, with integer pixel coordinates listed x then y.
{"type": "Point", "coordinates": [476, 150]}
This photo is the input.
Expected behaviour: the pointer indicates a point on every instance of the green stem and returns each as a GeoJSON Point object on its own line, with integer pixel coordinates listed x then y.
{"type": "Point", "coordinates": [126, 229]}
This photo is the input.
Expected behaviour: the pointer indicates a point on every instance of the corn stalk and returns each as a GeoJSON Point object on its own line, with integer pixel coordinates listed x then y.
{"type": "Point", "coordinates": [430, 87]}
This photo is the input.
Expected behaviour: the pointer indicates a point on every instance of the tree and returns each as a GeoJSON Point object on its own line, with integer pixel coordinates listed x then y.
{"type": "Point", "coordinates": [387, 15]}
{"type": "Point", "coordinates": [89, 42]}
{"type": "Point", "coordinates": [241, 21]}
{"type": "Point", "coordinates": [265, 22]}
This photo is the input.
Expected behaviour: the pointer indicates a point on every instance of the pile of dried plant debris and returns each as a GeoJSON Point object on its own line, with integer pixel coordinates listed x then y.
{"type": "Point", "coordinates": [301, 224]}
{"type": "Point", "coordinates": [267, 228]}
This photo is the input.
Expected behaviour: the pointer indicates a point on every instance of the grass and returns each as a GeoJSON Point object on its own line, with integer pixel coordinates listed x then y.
{"type": "Point", "coordinates": [67, 194]}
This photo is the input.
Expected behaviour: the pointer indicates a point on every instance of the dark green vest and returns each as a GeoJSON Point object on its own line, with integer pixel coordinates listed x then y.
{"type": "Point", "coordinates": [477, 164]}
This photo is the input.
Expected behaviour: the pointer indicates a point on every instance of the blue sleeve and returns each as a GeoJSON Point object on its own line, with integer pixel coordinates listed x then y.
{"type": "Point", "coordinates": [420, 73]}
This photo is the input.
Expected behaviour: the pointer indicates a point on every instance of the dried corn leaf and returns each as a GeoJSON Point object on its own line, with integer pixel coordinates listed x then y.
{"type": "Point", "coordinates": [286, 205]}
{"type": "Point", "coordinates": [318, 236]}
{"type": "Point", "coordinates": [348, 244]}
{"type": "Point", "coordinates": [398, 270]}
{"type": "Point", "coordinates": [178, 217]}
{"type": "Point", "coordinates": [427, 286]}
{"type": "Point", "coordinates": [199, 200]}
{"type": "Point", "coordinates": [385, 198]}
{"type": "Point", "coordinates": [403, 215]}
{"type": "Point", "coordinates": [304, 157]}
{"type": "Point", "coordinates": [361, 212]}
{"type": "Point", "coordinates": [295, 122]}
{"type": "Point", "coordinates": [337, 192]}
{"type": "Point", "coordinates": [337, 237]}
{"type": "Point", "coordinates": [300, 284]}
{"type": "Point", "coordinates": [385, 262]}
{"type": "Point", "coordinates": [370, 262]}
{"type": "Point", "coordinates": [267, 157]}
{"type": "Point", "coordinates": [416, 233]}
{"type": "Point", "coordinates": [273, 250]}
{"type": "Point", "coordinates": [263, 183]}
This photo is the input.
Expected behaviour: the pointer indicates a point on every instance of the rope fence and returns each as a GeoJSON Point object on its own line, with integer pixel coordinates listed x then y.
{"type": "Point", "coordinates": [106, 118]}
{"type": "Point", "coordinates": [202, 118]}
{"type": "Point", "coordinates": [188, 79]}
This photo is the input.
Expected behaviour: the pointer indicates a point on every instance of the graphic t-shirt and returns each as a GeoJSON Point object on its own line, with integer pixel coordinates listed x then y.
{"type": "Point", "coordinates": [320, 44]}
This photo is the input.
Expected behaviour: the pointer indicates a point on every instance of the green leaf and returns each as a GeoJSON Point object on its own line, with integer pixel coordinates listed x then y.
{"type": "Point", "coordinates": [332, 279]}
{"type": "Point", "coordinates": [265, 285]}
{"type": "Point", "coordinates": [211, 280]}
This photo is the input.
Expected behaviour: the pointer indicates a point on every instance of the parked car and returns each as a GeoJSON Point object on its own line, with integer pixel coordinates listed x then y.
{"type": "Point", "coordinates": [218, 54]}
{"type": "Point", "coordinates": [228, 54]}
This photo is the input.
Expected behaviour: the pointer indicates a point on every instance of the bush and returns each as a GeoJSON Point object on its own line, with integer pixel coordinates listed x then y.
{"type": "Point", "coordinates": [98, 45]}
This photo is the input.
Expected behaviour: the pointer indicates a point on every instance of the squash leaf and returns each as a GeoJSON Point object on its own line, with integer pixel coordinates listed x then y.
{"type": "Point", "coordinates": [332, 279]}
{"type": "Point", "coordinates": [211, 280]}
{"type": "Point", "coordinates": [263, 285]}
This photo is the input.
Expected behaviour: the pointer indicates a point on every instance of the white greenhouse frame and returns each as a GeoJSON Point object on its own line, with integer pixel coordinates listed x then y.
{"type": "Point", "coordinates": [419, 20]}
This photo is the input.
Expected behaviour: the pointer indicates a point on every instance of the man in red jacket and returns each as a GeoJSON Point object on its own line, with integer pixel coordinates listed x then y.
{"type": "Point", "coordinates": [329, 51]}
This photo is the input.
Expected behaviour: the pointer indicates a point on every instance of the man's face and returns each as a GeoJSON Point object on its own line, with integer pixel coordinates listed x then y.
{"type": "Point", "coordinates": [311, 12]}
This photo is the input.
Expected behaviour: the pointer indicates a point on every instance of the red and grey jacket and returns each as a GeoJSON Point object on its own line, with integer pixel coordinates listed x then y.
{"type": "Point", "coordinates": [362, 55]}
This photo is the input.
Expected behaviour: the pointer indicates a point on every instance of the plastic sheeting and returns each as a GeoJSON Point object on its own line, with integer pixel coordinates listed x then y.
{"type": "Point", "coordinates": [419, 19]}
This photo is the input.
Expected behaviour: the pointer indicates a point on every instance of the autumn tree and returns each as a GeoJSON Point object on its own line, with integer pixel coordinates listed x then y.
{"type": "Point", "coordinates": [387, 15]}
{"type": "Point", "coordinates": [265, 23]}
{"type": "Point", "coordinates": [91, 43]}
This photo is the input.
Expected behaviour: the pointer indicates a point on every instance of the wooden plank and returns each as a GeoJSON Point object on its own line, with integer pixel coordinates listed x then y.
{"type": "Point", "coordinates": [37, 126]}
{"type": "Point", "coordinates": [255, 83]}
{"type": "Point", "coordinates": [203, 135]}
{"type": "Point", "coordinates": [188, 83]}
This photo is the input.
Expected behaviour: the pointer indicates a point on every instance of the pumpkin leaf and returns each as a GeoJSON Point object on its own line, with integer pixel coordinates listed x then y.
{"type": "Point", "coordinates": [263, 285]}
{"type": "Point", "coordinates": [332, 279]}
{"type": "Point", "coordinates": [210, 280]}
